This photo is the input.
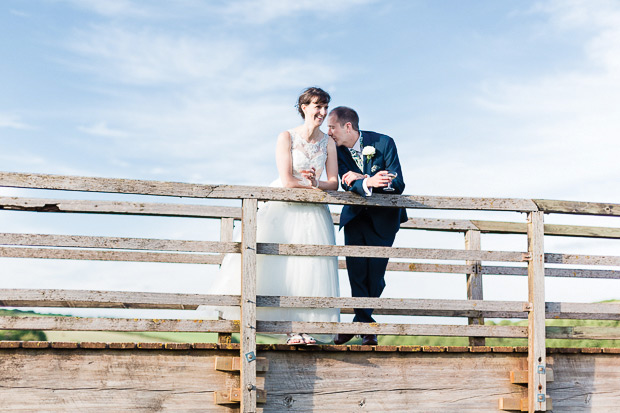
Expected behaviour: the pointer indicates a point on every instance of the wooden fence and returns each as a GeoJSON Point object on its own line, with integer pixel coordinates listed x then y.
{"type": "Point", "coordinates": [474, 265]}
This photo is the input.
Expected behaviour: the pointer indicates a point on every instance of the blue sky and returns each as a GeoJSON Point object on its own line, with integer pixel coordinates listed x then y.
{"type": "Point", "coordinates": [484, 98]}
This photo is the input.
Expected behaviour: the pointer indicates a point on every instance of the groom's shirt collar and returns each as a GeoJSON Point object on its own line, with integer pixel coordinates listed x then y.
{"type": "Point", "coordinates": [358, 146]}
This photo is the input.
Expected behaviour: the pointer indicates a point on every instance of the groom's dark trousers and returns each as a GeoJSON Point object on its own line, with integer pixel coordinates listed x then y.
{"type": "Point", "coordinates": [366, 275]}
{"type": "Point", "coordinates": [370, 226]}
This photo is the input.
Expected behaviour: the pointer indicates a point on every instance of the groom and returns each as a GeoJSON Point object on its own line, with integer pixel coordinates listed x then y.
{"type": "Point", "coordinates": [364, 159]}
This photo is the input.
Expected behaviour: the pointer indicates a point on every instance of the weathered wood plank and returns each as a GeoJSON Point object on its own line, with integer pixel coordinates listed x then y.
{"type": "Point", "coordinates": [82, 241]}
{"type": "Point", "coordinates": [584, 332]}
{"type": "Point", "coordinates": [433, 306]}
{"type": "Point", "coordinates": [297, 381]}
{"type": "Point", "coordinates": [248, 306]}
{"type": "Point", "coordinates": [392, 329]}
{"type": "Point", "coordinates": [446, 308]}
{"type": "Point", "coordinates": [474, 282]}
{"type": "Point", "coordinates": [521, 376]}
{"type": "Point", "coordinates": [579, 208]}
{"type": "Point", "coordinates": [161, 188]}
{"type": "Point", "coordinates": [536, 359]}
{"type": "Point", "coordinates": [551, 258]}
{"type": "Point", "coordinates": [583, 311]}
{"type": "Point", "coordinates": [97, 255]}
{"type": "Point", "coordinates": [234, 364]}
{"type": "Point", "coordinates": [116, 324]}
{"type": "Point", "coordinates": [384, 252]}
{"type": "Point", "coordinates": [553, 272]}
{"type": "Point", "coordinates": [117, 207]}
{"type": "Point", "coordinates": [111, 299]}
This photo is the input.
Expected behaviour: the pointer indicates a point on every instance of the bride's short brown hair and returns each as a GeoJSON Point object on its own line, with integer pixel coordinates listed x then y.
{"type": "Point", "coordinates": [308, 95]}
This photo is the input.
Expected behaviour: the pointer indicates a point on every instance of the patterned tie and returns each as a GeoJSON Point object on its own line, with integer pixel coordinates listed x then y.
{"type": "Point", "coordinates": [357, 158]}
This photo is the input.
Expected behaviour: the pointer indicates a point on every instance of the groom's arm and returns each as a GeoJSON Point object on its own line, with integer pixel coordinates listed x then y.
{"type": "Point", "coordinates": [392, 164]}
{"type": "Point", "coordinates": [355, 186]}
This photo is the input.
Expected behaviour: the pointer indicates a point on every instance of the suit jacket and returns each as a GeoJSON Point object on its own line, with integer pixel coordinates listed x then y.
{"type": "Point", "coordinates": [386, 221]}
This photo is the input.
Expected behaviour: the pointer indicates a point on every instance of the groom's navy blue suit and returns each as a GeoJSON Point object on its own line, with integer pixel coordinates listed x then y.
{"type": "Point", "coordinates": [375, 226]}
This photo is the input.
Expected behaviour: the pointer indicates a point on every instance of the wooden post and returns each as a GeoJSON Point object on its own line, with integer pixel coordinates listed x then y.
{"type": "Point", "coordinates": [474, 282]}
{"type": "Point", "coordinates": [226, 235]}
{"type": "Point", "coordinates": [248, 305]}
{"type": "Point", "coordinates": [537, 387]}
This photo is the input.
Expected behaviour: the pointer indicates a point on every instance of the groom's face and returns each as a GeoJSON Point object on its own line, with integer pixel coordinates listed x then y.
{"type": "Point", "coordinates": [337, 131]}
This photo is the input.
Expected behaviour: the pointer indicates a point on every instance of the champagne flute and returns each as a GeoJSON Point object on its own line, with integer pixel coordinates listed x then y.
{"type": "Point", "coordinates": [392, 175]}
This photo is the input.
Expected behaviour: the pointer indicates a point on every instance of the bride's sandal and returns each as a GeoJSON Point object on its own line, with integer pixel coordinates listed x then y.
{"type": "Point", "coordinates": [308, 340]}
{"type": "Point", "coordinates": [295, 340]}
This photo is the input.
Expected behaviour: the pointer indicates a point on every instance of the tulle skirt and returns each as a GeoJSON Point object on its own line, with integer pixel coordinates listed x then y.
{"type": "Point", "coordinates": [285, 223]}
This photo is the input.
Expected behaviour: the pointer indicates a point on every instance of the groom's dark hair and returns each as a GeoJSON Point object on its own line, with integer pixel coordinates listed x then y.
{"type": "Point", "coordinates": [344, 115]}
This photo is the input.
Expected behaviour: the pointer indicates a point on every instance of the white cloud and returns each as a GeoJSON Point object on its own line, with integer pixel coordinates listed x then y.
{"type": "Point", "coordinates": [12, 121]}
{"type": "Point", "coordinates": [263, 11]}
{"type": "Point", "coordinates": [564, 126]}
{"type": "Point", "coordinates": [102, 129]}
{"type": "Point", "coordinates": [113, 8]}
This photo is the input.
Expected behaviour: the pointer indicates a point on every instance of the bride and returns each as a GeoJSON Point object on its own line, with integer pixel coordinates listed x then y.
{"type": "Point", "coordinates": [302, 154]}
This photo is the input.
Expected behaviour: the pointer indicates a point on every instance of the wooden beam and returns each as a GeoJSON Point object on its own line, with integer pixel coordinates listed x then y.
{"type": "Point", "coordinates": [234, 364]}
{"type": "Point", "coordinates": [162, 188]}
{"type": "Point", "coordinates": [520, 404]}
{"type": "Point", "coordinates": [577, 208]}
{"type": "Point", "coordinates": [82, 241]}
{"type": "Point", "coordinates": [116, 324]}
{"type": "Point", "coordinates": [111, 299]}
{"type": "Point", "coordinates": [521, 376]}
{"type": "Point", "coordinates": [583, 332]}
{"type": "Point", "coordinates": [537, 388]}
{"type": "Point", "coordinates": [97, 255]}
{"type": "Point", "coordinates": [582, 259]}
{"type": "Point", "coordinates": [117, 208]}
{"type": "Point", "coordinates": [248, 306]}
{"type": "Point", "coordinates": [474, 282]}
{"type": "Point", "coordinates": [387, 252]}
{"type": "Point", "coordinates": [392, 329]}
{"type": "Point", "coordinates": [435, 307]}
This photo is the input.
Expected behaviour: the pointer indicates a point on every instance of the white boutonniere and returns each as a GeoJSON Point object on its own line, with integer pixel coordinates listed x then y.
{"type": "Point", "coordinates": [374, 168]}
{"type": "Point", "coordinates": [368, 152]}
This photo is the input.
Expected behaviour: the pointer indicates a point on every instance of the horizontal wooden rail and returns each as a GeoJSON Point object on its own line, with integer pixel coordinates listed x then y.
{"type": "Point", "coordinates": [111, 299]}
{"type": "Point", "coordinates": [385, 252]}
{"type": "Point", "coordinates": [117, 208]}
{"type": "Point", "coordinates": [160, 188]}
{"type": "Point", "coordinates": [396, 306]}
{"type": "Point", "coordinates": [81, 241]}
{"type": "Point", "coordinates": [97, 255]}
{"type": "Point", "coordinates": [583, 333]}
{"type": "Point", "coordinates": [116, 324]}
{"type": "Point", "coordinates": [392, 329]}
{"type": "Point", "coordinates": [582, 259]}
{"type": "Point", "coordinates": [208, 211]}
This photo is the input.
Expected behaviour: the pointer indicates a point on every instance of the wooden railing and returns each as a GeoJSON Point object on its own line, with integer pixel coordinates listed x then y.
{"type": "Point", "coordinates": [474, 265]}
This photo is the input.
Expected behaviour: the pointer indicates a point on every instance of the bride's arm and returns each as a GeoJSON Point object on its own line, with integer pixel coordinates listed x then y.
{"type": "Point", "coordinates": [331, 168]}
{"type": "Point", "coordinates": [284, 162]}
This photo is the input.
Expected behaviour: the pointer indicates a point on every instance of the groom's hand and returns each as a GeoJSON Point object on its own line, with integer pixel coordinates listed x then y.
{"type": "Point", "coordinates": [351, 177]}
{"type": "Point", "coordinates": [380, 180]}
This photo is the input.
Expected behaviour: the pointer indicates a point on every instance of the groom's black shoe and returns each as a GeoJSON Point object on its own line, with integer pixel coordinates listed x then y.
{"type": "Point", "coordinates": [343, 338]}
{"type": "Point", "coordinates": [369, 340]}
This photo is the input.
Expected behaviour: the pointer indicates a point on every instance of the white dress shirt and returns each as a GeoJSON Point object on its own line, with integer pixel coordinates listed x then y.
{"type": "Point", "coordinates": [358, 147]}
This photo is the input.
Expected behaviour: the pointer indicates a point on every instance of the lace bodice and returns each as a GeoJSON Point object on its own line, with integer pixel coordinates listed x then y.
{"type": "Point", "coordinates": [308, 155]}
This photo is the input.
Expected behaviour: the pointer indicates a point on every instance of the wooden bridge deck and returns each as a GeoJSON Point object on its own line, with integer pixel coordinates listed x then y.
{"type": "Point", "coordinates": [88, 377]}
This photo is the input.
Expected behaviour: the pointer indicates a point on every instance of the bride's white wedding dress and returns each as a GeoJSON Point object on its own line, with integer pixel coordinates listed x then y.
{"type": "Point", "coordinates": [288, 223]}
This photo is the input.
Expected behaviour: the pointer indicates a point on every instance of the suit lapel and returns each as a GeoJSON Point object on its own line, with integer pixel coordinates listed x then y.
{"type": "Point", "coordinates": [368, 140]}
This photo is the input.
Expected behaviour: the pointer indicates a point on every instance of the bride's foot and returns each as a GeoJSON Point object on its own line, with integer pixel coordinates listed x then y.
{"type": "Point", "coordinates": [295, 339]}
{"type": "Point", "coordinates": [308, 340]}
